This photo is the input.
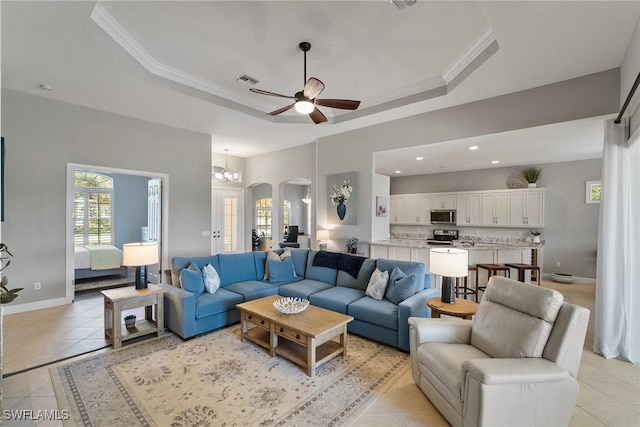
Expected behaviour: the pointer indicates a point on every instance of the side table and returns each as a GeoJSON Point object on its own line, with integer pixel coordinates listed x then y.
{"type": "Point", "coordinates": [462, 308]}
{"type": "Point", "coordinates": [120, 299]}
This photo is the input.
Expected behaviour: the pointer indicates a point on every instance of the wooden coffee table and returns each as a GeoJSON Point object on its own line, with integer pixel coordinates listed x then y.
{"type": "Point", "coordinates": [307, 338]}
{"type": "Point", "coordinates": [462, 308]}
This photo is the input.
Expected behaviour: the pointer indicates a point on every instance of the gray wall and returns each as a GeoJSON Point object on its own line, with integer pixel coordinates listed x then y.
{"type": "Point", "coordinates": [571, 225]}
{"type": "Point", "coordinates": [130, 194]}
{"type": "Point", "coordinates": [43, 135]}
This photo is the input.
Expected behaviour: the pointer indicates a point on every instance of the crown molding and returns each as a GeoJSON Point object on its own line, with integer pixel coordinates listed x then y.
{"type": "Point", "coordinates": [474, 51]}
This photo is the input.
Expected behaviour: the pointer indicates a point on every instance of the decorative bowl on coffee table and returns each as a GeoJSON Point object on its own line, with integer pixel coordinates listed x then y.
{"type": "Point", "coordinates": [290, 305]}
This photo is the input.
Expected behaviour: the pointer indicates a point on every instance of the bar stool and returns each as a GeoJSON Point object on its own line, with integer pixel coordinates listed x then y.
{"type": "Point", "coordinates": [462, 293]}
{"type": "Point", "coordinates": [522, 268]}
{"type": "Point", "coordinates": [492, 270]}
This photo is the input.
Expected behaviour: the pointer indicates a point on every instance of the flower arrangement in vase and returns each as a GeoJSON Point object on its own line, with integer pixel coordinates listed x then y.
{"type": "Point", "coordinates": [536, 236]}
{"type": "Point", "coordinates": [130, 321]}
{"type": "Point", "coordinates": [340, 197]}
{"type": "Point", "coordinates": [352, 245]}
{"type": "Point", "coordinates": [532, 175]}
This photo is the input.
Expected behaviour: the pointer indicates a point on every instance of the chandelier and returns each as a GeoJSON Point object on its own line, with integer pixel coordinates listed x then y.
{"type": "Point", "coordinates": [307, 198]}
{"type": "Point", "coordinates": [226, 175]}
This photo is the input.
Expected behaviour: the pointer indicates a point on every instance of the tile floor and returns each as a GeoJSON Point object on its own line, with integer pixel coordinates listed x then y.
{"type": "Point", "coordinates": [609, 389]}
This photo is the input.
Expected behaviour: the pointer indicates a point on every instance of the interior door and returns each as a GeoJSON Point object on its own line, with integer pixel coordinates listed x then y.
{"type": "Point", "coordinates": [154, 224]}
{"type": "Point", "coordinates": [228, 221]}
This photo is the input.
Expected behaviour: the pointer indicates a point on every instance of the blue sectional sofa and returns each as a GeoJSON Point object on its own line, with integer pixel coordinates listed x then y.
{"type": "Point", "coordinates": [336, 283]}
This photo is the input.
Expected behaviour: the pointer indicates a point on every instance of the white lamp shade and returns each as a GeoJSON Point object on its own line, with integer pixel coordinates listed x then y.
{"type": "Point", "coordinates": [449, 262]}
{"type": "Point", "coordinates": [139, 254]}
{"type": "Point", "coordinates": [322, 235]}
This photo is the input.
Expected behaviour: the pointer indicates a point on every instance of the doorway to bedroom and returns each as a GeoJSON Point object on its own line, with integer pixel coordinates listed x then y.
{"type": "Point", "coordinates": [108, 207]}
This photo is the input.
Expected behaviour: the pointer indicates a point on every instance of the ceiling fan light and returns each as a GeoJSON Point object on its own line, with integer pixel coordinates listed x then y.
{"type": "Point", "coordinates": [304, 107]}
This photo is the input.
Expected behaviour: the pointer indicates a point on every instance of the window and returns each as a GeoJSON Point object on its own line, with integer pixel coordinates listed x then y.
{"type": "Point", "coordinates": [93, 209]}
{"type": "Point", "coordinates": [263, 216]}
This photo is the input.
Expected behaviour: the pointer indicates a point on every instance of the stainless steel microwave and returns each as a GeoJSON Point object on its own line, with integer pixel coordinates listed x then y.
{"type": "Point", "coordinates": [443, 216]}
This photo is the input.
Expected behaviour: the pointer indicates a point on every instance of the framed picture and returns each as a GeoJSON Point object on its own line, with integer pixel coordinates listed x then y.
{"type": "Point", "coordinates": [594, 191]}
{"type": "Point", "coordinates": [342, 206]}
{"type": "Point", "coordinates": [381, 206]}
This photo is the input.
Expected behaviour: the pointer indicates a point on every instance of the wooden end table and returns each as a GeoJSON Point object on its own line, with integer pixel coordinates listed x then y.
{"type": "Point", "coordinates": [462, 308]}
{"type": "Point", "coordinates": [306, 339]}
{"type": "Point", "coordinates": [120, 299]}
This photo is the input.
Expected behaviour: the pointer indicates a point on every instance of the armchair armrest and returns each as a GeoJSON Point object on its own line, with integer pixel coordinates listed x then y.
{"type": "Point", "coordinates": [179, 310]}
{"type": "Point", "coordinates": [514, 371]}
{"type": "Point", "coordinates": [452, 331]}
{"type": "Point", "coordinates": [415, 305]}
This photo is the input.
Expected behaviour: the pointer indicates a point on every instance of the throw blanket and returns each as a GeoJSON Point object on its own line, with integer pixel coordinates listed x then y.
{"type": "Point", "coordinates": [348, 263]}
{"type": "Point", "coordinates": [104, 257]}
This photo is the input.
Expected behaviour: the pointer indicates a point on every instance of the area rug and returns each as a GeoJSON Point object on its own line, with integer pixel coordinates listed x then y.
{"type": "Point", "coordinates": [216, 380]}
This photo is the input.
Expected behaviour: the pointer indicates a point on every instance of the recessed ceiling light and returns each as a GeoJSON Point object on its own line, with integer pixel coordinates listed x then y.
{"type": "Point", "coordinates": [45, 87]}
{"type": "Point", "coordinates": [419, 158]}
{"type": "Point", "coordinates": [495, 161]}
{"type": "Point", "coordinates": [398, 171]}
{"type": "Point", "coordinates": [473, 147]}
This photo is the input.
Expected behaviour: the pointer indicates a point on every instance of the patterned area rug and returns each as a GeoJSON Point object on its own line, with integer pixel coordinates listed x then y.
{"type": "Point", "coordinates": [216, 380]}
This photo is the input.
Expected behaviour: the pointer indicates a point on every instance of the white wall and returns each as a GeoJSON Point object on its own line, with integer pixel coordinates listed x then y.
{"type": "Point", "coordinates": [43, 135]}
{"type": "Point", "coordinates": [380, 224]}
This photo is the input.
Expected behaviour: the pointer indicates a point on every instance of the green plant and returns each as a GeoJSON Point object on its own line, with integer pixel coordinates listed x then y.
{"type": "Point", "coordinates": [351, 245]}
{"type": "Point", "coordinates": [534, 232]}
{"type": "Point", "coordinates": [531, 174]}
{"type": "Point", "coordinates": [130, 317]}
{"type": "Point", "coordinates": [6, 295]}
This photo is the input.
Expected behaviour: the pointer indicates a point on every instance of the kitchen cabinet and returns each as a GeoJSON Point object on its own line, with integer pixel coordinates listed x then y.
{"type": "Point", "coordinates": [495, 209]}
{"type": "Point", "coordinates": [397, 209]}
{"type": "Point", "coordinates": [443, 201]}
{"type": "Point", "coordinates": [417, 209]}
{"type": "Point", "coordinates": [378, 251]}
{"type": "Point", "coordinates": [469, 209]}
{"type": "Point", "coordinates": [527, 209]}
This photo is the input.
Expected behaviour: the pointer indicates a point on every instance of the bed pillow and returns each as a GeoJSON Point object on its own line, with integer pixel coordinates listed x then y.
{"type": "Point", "coordinates": [400, 286]}
{"type": "Point", "coordinates": [192, 281]}
{"type": "Point", "coordinates": [281, 271]}
{"type": "Point", "coordinates": [377, 284]}
{"type": "Point", "coordinates": [211, 279]}
{"type": "Point", "coordinates": [274, 256]}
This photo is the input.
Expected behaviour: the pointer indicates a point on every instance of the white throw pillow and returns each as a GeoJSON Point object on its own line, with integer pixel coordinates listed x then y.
{"type": "Point", "coordinates": [272, 255]}
{"type": "Point", "coordinates": [211, 279]}
{"type": "Point", "coordinates": [377, 284]}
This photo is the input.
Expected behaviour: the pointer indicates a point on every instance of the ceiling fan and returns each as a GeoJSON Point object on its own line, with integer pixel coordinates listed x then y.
{"type": "Point", "coordinates": [306, 100]}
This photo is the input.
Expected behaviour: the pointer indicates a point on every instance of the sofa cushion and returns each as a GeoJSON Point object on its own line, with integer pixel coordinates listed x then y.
{"type": "Point", "coordinates": [236, 268]}
{"type": "Point", "coordinates": [377, 284]}
{"type": "Point", "coordinates": [400, 287]}
{"type": "Point", "coordinates": [259, 261]}
{"type": "Point", "coordinates": [211, 279]}
{"type": "Point", "coordinates": [382, 313]}
{"type": "Point", "coordinates": [350, 264]}
{"type": "Point", "coordinates": [178, 263]}
{"type": "Point", "coordinates": [271, 255]}
{"type": "Point", "coordinates": [336, 298]}
{"type": "Point", "coordinates": [361, 280]}
{"type": "Point", "coordinates": [303, 288]}
{"type": "Point", "coordinates": [299, 257]}
{"type": "Point", "coordinates": [281, 271]}
{"type": "Point", "coordinates": [321, 274]}
{"type": "Point", "coordinates": [514, 324]}
{"type": "Point", "coordinates": [252, 289]}
{"type": "Point", "coordinates": [223, 300]}
{"type": "Point", "coordinates": [408, 267]}
{"type": "Point", "coordinates": [444, 362]}
{"type": "Point", "coordinates": [192, 281]}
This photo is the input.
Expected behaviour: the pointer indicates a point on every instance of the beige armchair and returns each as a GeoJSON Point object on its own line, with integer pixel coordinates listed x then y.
{"type": "Point", "coordinates": [514, 364]}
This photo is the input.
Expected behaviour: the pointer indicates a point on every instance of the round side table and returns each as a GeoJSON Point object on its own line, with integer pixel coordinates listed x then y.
{"type": "Point", "coordinates": [462, 308]}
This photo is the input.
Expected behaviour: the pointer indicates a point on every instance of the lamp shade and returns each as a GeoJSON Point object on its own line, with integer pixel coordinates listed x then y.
{"type": "Point", "coordinates": [139, 254]}
{"type": "Point", "coordinates": [322, 235]}
{"type": "Point", "coordinates": [449, 262]}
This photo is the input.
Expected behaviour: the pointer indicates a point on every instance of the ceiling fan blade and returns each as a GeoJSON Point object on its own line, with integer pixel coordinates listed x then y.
{"type": "Point", "coordinates": [345, 104]}
{"type": "Point", "coordinates": [313, 88]}
{"type": "Point", "coordinates": [280, 110]}
{"type": "Point", "coordinates": [317, 116]}
{"type": "Point", "coordinates": [264, 92]}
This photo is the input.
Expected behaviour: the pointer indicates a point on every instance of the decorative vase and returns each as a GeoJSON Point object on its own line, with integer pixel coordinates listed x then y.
{"type": "Point", "coordinates": [342, 210]}
{"type": "Point", "coordinates": [536, 239]}
{"type": "Point", "coordinates": [130, 322]}
{"type": "Point", "coordinates": [353, 250]}
{"type": "Point", "coordinates": [532, 185]}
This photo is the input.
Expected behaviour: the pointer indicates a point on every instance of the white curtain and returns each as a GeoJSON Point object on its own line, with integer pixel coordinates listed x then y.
{"type": "Point", "coordinates": [617, 321]}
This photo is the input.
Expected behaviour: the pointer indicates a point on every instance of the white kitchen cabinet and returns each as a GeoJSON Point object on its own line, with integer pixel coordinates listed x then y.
{"type": "Point", "coordinates": [417, 208]}
{"type": "Point", "coordinates": [399, 253]}
{"type": "Point", "coordinates": [397, 209]}
{"type": "Point", "coordinates": [527, 208]}
{"type": "Point", "coordinates": [495, 209]}
{"type": "Point", "coordinates": [469, 209]}
{"type": "Point", "coordinates": [443, 201]}
{"type": "Point", "coordinates": [378, 251]}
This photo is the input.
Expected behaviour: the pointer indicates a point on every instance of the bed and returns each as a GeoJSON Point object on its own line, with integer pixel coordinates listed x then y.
{"type": "Point", "coordinates": [97, 261]}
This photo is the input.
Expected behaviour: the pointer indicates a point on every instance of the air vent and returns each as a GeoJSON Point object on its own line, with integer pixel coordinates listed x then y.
{"type": "Point", "coordinates": [247, 80]}
{"type": "Point", "coordinates": [401, 4]}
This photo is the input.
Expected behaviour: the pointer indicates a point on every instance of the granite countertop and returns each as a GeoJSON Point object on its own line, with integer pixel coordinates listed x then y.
{"type": "Point", "coordinates": [462, 244]}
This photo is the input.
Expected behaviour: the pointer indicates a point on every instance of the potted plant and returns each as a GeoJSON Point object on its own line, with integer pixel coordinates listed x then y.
{"type": "Point", "coordinates": [352, 245]}
{"type": "Point", "coordinates": [130, 321]}
{"type": "Point", "coordinates": [536, 236]}
{"type": "Point", "coordinates": [532, 175]}
{"type": "Point", "coordinates": [6, 296]}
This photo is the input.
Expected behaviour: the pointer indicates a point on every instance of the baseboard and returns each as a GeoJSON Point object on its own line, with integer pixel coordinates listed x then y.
{"type": "Point", "coordinates": [30, 306]}
{"type": "Point", "coordinates": [585, 280]}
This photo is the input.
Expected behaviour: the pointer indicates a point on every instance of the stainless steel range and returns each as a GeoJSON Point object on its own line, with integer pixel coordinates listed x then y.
{"type": "Point", "coordinates": [443, 237]}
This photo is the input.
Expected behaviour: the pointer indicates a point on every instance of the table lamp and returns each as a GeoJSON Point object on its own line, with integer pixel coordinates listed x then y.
{"type": "Point", "coordinates": [140, 255]}
{"type": "Point", "coordinates": [449, 263]}
{"type": "Point", "coordinates": [322, 236]}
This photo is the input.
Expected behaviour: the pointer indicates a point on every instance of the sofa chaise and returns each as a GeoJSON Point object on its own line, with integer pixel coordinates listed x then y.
{"type": "Point", "coordinates": [330, 280]}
